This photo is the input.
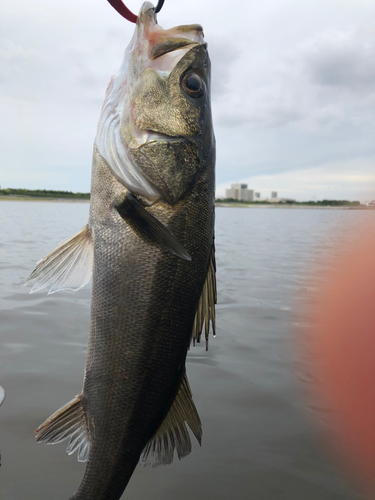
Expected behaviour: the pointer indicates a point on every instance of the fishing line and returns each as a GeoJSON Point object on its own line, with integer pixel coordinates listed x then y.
{"type": "Point", "coordinates": [128, 14]}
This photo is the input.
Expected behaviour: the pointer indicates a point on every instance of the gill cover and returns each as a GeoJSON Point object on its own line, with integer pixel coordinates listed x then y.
{"type": "Point", "coordinates": [156, 119]}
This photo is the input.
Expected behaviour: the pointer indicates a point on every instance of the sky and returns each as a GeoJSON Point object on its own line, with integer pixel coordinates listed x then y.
{"type": "Point", "coordinates": [293, 91]}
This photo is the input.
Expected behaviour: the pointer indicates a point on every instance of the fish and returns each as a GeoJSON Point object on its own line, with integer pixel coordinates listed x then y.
{"type": "Point", "coordinates": [149, 247]}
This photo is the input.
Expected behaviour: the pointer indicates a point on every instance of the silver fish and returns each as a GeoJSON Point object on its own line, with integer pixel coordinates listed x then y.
{"type": "Point", "coordinates": [150, 244]}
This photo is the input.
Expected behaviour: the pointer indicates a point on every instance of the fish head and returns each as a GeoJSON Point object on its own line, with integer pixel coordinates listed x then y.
{"type": "Point", "coordinates": [156, 131]}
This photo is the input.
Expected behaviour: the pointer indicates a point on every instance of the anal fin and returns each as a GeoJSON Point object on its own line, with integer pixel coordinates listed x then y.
{"type": "Point", "coordinates": [172, 433]}
{"type": "Point", "coordinates": [67, 423]}
{"type": "Point", "coordinates": [205, 313]}
{"type": "Point", "coordinates": [68, 267]}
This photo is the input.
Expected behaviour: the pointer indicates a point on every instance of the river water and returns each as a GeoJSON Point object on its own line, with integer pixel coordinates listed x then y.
{"type": "Point", "coordinates": [259, 439]}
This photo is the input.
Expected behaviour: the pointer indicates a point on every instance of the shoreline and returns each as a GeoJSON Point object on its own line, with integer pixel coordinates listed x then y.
{"type": "Point", "coordinates": [294, 207]}
{"type": "Point", "coordinates": [42, 198]}
{"type": "Point", "coordinates": [225, 205]}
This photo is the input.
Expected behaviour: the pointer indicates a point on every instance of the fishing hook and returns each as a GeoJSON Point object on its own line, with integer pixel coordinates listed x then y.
{"type": "Point", "coordinates": [128, 14]}
{"type": "Point", "coordinates": [159, 6]}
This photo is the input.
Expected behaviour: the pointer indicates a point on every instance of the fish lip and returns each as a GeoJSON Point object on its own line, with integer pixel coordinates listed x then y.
{"type": "Point", "coordinates": [159, 137]}
{"type": "Point", "coordinates": [163, 51]}
{"type": "Point", "coordinates": [162, 138]}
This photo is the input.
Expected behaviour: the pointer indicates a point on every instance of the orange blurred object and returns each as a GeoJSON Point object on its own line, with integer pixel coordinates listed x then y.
{"type": "Point", "coordinates": [345, 345]}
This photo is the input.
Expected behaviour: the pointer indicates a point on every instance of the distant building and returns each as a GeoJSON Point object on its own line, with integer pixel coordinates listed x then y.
{"type": "Point", "coordinates": [240, 192]}
{"type": "Point", "coordinates": [281, 200]}
{"type": "Point", "coordinates": [275, 199]}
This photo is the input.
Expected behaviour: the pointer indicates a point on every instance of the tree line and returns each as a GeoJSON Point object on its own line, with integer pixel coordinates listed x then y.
{"type": "Point", "coordinates": [44, 193]}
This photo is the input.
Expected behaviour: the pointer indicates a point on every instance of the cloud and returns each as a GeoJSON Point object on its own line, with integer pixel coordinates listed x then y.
{"type": "Point", "coordinates": [344, 59]}
{"type": "Point", "coordinates": [350, 180]}
{"type": "Point", "coordinates": [224, 53]}
{"type": "Point", "coordinates": [323, 81]}
{"type": "Point", "coordinates": [20, 70]}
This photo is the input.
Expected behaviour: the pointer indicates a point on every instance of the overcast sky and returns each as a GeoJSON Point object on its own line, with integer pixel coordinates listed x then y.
{"type": "Point", "coordinates": [293, 91]}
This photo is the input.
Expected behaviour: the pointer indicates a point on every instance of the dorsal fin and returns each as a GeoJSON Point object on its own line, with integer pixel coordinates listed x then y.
{"type": "Point", "coordinates": [68, 267]}
{"type": "Point", "coordinates": [206, 306]}
{"type": "Point", "coordinates": [172, 433]}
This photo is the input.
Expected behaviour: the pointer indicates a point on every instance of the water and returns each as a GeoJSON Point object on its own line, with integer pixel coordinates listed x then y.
{"type": "Point", "coordinates": [259, 441]}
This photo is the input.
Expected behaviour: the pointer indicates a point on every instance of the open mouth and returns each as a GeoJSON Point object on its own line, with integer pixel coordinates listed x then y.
{"type": "Point", "coordinates": [142, 138]}
{"type": "Point", "coordinates": [165, 63]}
{"type": "Point", "coordinates": [158, 137]}
{"type": "Point", "coordinates": [167, 46]}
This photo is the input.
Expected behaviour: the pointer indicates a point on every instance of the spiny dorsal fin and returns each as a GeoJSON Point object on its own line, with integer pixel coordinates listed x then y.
{"type": "Point", "coordinates": [68, 267]}
{"type": "Point", "coordinates": [67, 423]}
{"type": "Point", "coordinates": [173, 434]}
{"type": "Point", "coordinates": [206, 306]}
{"type": "Point", "coordinates": [149, 228]}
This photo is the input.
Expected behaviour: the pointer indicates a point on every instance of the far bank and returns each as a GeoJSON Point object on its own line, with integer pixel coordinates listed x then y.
{"type": "Point", "coordinates": [288, 206]}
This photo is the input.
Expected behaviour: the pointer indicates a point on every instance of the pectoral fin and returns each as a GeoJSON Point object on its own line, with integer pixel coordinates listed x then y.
{"type": "Point", "coordinates": [173, 434]}
{"type": "Point", "coordinates": [206, 306]}
{"type": "Point", "coordinates": [67, 423]}
{"type": "Point", "coordinates": [149, 228]}
{"type": "Point", "coordinates": [68, 267]}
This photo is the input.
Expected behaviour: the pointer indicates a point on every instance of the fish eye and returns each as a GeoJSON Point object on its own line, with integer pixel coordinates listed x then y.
{"type": "Point", "coordinates": [193, 85]}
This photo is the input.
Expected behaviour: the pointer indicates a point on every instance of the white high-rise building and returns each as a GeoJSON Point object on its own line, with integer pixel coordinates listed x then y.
{"type": "Point", "coordinates": [240, 192]}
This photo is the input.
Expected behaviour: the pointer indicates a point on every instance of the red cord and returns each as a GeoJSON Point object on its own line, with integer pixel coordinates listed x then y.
{"type": "Point", "coordinates": [123, 10]}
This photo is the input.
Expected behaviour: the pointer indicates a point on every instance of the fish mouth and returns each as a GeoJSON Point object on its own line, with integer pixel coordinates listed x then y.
{"type": "Point", "coordinates": [169, 53]}
{"type": "Point", "coordinates": [156, 137]}
{"type": "Point", "coordinates": [169, 45]}
{"type": "Point", "coordinates": [140, 138]}
{"type": "Point", "coordinates": [159, 42]}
